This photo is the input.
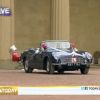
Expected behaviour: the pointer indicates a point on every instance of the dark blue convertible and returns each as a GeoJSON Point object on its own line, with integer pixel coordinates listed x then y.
{"type": "Point", "coordinates": [56, 55]}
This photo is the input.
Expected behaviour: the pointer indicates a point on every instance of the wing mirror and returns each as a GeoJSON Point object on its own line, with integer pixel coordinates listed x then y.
{"type": "Point", "coordinates": [37, 50]}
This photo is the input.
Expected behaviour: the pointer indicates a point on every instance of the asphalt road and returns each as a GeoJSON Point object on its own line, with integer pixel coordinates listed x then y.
{"type": "Point", "coordinates": [41, 78]}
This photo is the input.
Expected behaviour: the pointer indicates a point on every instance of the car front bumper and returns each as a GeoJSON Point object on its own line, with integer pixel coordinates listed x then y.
{"type": "Point", "coordinates": [70, 66]}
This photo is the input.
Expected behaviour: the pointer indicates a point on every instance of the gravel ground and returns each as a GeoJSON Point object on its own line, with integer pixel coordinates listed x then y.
{"type": "Point", "coordinates": [41, 78]}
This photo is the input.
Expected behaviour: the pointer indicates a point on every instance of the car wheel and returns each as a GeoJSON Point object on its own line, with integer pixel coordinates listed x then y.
{"type": "Point", "coordinates": [84, 70]}
{"type": "Point", "coordinates": [49, 67]}
{"type": "Point", "coordinates": [60, 71]}
{"type": "Point", "coordinates": [27, 68]}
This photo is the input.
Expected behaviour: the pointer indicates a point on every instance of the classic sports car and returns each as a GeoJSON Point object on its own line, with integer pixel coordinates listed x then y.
{"type": "Point", "coordinates": [56, 55]}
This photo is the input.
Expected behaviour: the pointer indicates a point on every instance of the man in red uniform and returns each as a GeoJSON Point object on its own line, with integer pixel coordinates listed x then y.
{"type": "Point", "coordinates": [15, 55]}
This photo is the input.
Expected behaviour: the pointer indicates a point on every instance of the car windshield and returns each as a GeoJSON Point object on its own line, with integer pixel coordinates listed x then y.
{"type": "Point", "coordinates": [62, 45]}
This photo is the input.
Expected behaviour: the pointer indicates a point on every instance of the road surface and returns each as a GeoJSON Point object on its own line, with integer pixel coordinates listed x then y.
{"type": "Point", "coordinates": [41, 78]}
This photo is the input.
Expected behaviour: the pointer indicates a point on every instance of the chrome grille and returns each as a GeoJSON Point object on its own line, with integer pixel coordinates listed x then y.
{"type": "Point", "coordinates": [80, 60]}
{"type": "Point", "coordinates": [68, 59]}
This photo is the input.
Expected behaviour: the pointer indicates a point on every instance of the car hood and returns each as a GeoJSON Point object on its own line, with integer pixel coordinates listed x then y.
{"type": "Point", "coordinates": [60, 53]}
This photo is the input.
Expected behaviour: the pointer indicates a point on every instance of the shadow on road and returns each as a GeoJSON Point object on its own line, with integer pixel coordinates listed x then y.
{"type": "Point", "coordinates": [65, 73]}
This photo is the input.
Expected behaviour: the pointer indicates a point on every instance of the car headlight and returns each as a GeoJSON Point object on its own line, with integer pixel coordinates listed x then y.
{"type": "Point", "coordinates": [88, 55]}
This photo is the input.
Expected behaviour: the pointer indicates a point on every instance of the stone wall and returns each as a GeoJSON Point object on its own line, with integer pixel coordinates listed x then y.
{"type": "Point", "coordinates": [32, 22]}
{"type": "Point", "coordinates": [85, 24]}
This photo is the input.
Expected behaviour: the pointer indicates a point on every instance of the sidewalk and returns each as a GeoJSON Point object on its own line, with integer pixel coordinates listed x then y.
{"type": "Point", "coordinates": [95, 66]}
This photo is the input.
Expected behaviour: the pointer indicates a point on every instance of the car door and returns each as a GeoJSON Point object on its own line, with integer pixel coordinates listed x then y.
{"type": "Point", "coordinates": [38, 59]}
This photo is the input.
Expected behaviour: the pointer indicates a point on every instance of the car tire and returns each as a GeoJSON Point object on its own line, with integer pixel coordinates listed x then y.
{"type": "Point", "coordinates": [84, 70]}
{"type": "Point", "coordinates": [60, 71]}
{"type": "Point", "coordinates": [27, 68]}
{"type": "Point", "coordinates": [49, 67]}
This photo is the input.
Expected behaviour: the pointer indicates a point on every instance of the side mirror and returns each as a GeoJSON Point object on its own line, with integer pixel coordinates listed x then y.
{"type": "Point", "coordinates": [37, 51]}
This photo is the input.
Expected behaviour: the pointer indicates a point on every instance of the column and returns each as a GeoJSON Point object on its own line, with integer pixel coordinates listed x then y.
{"type": "Point", "coordinates": [60, 27]}
{"type": "Point", "coordinates": [6, 30]}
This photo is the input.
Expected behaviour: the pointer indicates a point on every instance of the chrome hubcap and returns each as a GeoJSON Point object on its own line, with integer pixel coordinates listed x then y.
{"type": "Point", "coordinates": [48, 66]}
{"type": "Point", "coordinates": [26, 65]}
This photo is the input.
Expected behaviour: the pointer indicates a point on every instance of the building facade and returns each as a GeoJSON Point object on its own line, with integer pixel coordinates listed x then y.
{"type": "Point", "coordinates": [32, 21]}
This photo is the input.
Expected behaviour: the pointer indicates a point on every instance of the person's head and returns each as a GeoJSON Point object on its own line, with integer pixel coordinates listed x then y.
{"type": "Point", "coordinates": [43, 45]}
{"type": "Point", "coordinates": [73, 45]}
{"type": "Point", "coordinates": [12, 49]}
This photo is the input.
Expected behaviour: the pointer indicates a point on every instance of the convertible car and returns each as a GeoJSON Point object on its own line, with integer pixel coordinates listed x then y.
{"type": "Point", "coordinates": [55, 55]}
